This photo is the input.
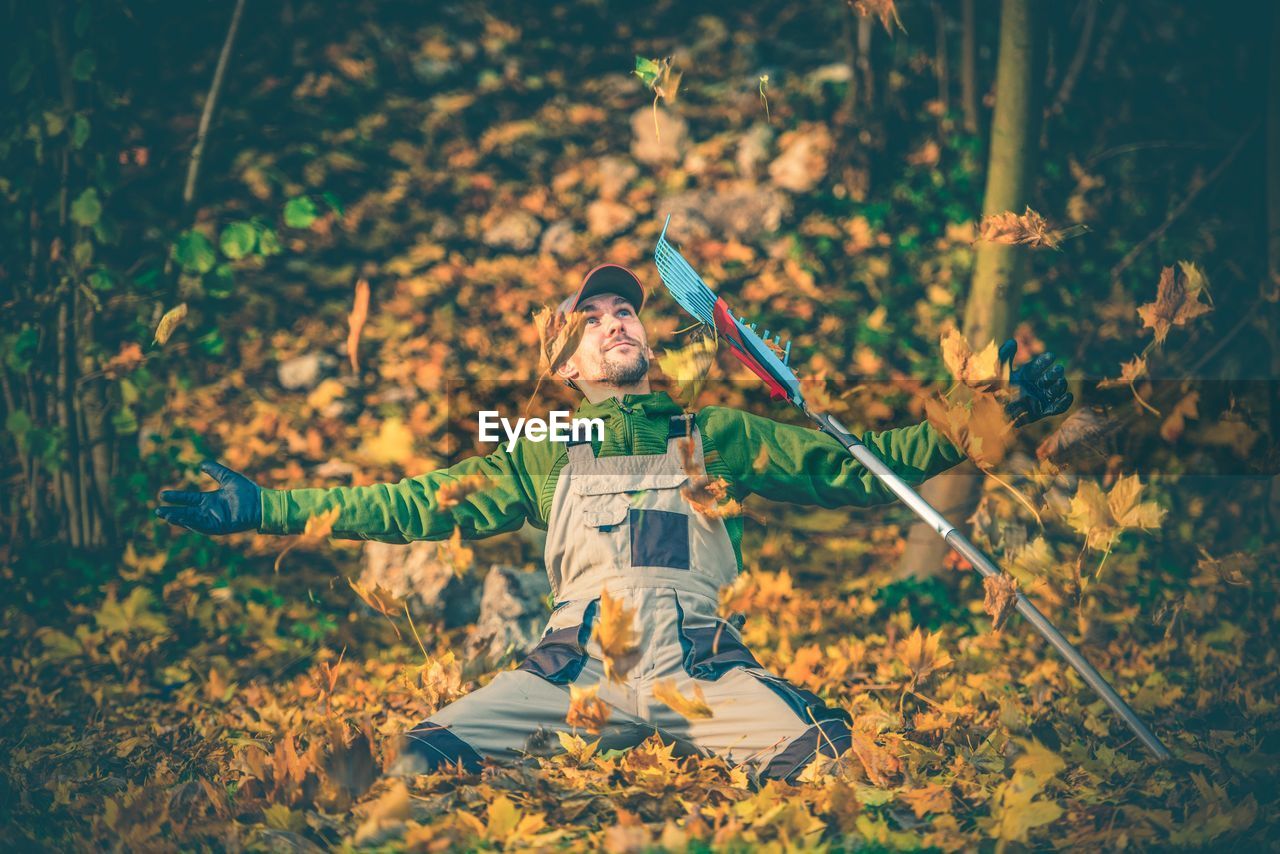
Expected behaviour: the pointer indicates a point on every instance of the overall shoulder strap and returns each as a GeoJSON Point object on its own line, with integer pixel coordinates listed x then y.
{"type": "Point", "coordinates": [681, 426]}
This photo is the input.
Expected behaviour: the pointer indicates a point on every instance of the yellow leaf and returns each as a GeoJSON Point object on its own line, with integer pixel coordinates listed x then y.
{"type": "Point", "coordinates": [1090, 516]}
{"type": "Point", "coordinates": [922, 656]}
{"type": "Point", "coordinates": [391, 807]}
{"type": "Point", "coordinates": [665, 691]}
{"type": "Point", "coordinates": [169, 323]}
{"type": "Point", "coordinates": [614, 630]}
{"type": "Point", "coordinates": [392, 446]}
{"type": "Point", "coordinates": [576, 746]}
{"type": "Point", "coordinates": [927, 799]}
{"type": "Point", "coordinates": [1125, 508]}
{"type": "Point", "coordinates": [586, 710]}
{"type": "Point", "coordinates": [689, 366]}
{"type": "Point", "coordinates": [981, 370]}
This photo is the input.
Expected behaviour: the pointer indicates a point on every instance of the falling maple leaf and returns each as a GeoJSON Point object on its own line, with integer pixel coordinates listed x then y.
{"type": "Point", "coordinates": [318, 527]}
{"type": "Point", "coordinates": [689, 366]}
{"type": "Point", "coordinates": [355, 323]}
{"type": "Point", "coordinates": [665, 691]}
{"type": "Point", "coordinates": [1177, 300]}
{"type": "Point", "coordinates": [375, 599]}
{"type": "Point", "coordinates": [586, 710]}
{"type": "Point", "coordinates": [1001, 598]}
{"type": "Point", "coordinates": [614, 630]}
{"type": "Point", "coordinates": [1102, 517]}
{"type": "Point", "coordinates": [452, 493]}
{"type": "Point", "coordinates": [559, 335]}
{"type": "Point", "coordinates": [459, 556]}
{"type": "Point", "coordinates": [1130, 372]}
{"type": "Point", "coordinates": [708, 496]}
{"type": "Point", "coordinates": [1029, 229]}
{"type": "Point", "coordinates": [977, 370]}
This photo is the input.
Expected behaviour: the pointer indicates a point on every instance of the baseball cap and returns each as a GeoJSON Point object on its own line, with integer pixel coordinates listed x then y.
{"type": "Point", "coordinates": [608, 279]}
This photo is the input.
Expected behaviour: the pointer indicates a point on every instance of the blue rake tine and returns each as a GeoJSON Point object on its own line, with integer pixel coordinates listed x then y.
{"type": "Point", "coordinates": [683, 281]}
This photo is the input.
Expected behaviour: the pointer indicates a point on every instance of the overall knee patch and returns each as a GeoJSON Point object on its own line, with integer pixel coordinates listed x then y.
{"type": "Point", "coordinates": [438, 746]}
{"type": "Point", "coordinates": [830, 738]}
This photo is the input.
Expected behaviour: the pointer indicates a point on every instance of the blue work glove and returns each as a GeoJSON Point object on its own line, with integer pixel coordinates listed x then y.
{"type": "Point", "coordinates": [1039, 388]}
{"type": "Point", "coordinates": [235, 506]}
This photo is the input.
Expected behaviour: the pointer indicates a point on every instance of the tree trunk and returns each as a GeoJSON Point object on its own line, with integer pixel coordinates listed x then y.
{"type": "Point", "coordinates": [969, 70]}
{"type": "Point", "coordinates": [993, 294]}
{"type": "Point", "coordinates": [1271, 287]}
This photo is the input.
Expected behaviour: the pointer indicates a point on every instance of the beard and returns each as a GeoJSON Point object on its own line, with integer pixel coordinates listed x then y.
{"type": "Point", "coordinates": [624, 372]}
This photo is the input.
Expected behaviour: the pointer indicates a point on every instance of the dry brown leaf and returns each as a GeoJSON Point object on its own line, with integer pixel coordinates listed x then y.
{"type": "Point", "coordinates": [1030, 229]}
{"type": "Point", "coordinates": [558, 335]}
{"type": "Point", "coordinates": [169, 323]}
{"type": "Point", "coordinates": [318, 527]}
{"type": "Point", "coordinates": [586, 710]}
{"type": "Point", "coordinates": [355, 323]}
{"type": "Point", "coordinates": [1176, 423]}
{"type": "Point", "coordinates": [708, 496]}
{"type": "Point", "coordinates": [1001, 598]}
{"type": "Point", "coordinates": [1177, 300]}
{"type": "Point", "coordinates": [665, 691]}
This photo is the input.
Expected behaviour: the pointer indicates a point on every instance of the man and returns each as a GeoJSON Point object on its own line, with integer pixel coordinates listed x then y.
{"type": "Point", "coordinates": [617, 522]}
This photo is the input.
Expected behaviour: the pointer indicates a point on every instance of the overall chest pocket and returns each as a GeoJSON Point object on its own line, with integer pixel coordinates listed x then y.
{"type": "Point", "coordinates": [655, 537]}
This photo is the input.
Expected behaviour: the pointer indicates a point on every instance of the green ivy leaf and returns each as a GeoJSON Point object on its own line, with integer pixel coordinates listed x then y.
{"type": "Point", "coordinates": [87, 208]}
{"type": "Point", "coordinates": [647, 70]}
{"type": "Point", "coordinates": [79, 131]}
{"type": "Point", "coordinates": [101, 280]}
{"type": "Point", "coordinates": [194, 252]}
{"type": "Point", "coordinates": [238, 240]}
{"type": "Point", "coordinates": [18, 424]}
{"type": "Point", "coordinates": [20, 72]}
{"type": "Point", "coordinates": [300, 212]}
{"type": "Point", "coordinates": [268, 241]}
{"type": "Point", "coordinates": [83, 65]}
{"type": "Point", "coordinates": [332, 201]}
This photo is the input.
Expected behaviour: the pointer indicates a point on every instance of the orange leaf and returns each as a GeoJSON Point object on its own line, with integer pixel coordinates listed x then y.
{"type": "Point", "coordinates": [615, 631]}
{"type": "Point", "coordinates": [1030, 229]}
{"type": "Point", "coordinates": [1177, 300]}
{"type": "Point", "coordinates": [586, 710]}
{"type": "Point", "coordinates": [355, 322]}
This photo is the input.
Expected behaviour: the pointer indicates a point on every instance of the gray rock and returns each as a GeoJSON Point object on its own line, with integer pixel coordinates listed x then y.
{"type": "Point", "coordinates": [666, 143]}
{"type": "Point", "coordinates": [516, 230]}
{"type": "Point", "coordinates": [513, 613]}
{"type": "Point", "coordinates": [805, 157]}
{"type": "Point", "coordinates": [415, 572]}
{"type": "Point", "coordinates": [743, 210]}
{"type": "Point", "coordinates": [560, 239]}
{"type": "Point", "coordinates": [305, 371]}
{"type": "Point", "coordinates": [613, 174]}
{"type": "Point", "coordinates": [753, 150]}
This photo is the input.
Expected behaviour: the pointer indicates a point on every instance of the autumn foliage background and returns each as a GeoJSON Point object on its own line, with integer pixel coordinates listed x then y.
{"type": "Point", "coordinates": [384, 196]}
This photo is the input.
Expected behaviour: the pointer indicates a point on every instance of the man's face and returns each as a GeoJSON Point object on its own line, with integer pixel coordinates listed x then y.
{"type": "Point", "coordinates": [614, 349]}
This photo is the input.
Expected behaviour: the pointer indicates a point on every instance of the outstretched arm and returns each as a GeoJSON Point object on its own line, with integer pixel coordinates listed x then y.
{"type": "Point", "coordinates": [387, 512]}
{"type": "Point", "coordinates": [783, 462]}
{"type": "Point", "coordinates": [410, 509]}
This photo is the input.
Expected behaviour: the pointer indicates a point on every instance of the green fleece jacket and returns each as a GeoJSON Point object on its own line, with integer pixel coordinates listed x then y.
{"type": "Point", "coordinates": [800, 465]}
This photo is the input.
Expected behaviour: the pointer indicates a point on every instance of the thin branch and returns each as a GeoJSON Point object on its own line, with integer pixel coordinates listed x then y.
{"type": "Point", "coordinates": [210, 101]}
{"type": "Point", "coordinates": [1182, 206]}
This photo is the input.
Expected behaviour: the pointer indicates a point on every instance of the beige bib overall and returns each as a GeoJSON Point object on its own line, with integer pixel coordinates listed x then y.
{"type": "Point", "coordinates": [621, 524]}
